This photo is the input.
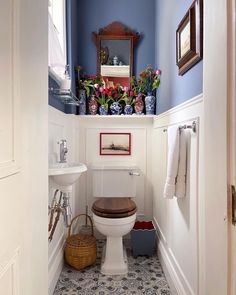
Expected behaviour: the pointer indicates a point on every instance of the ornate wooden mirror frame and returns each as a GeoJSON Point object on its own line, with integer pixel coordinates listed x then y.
{"type": "Point", "coordinates": [115, 31]}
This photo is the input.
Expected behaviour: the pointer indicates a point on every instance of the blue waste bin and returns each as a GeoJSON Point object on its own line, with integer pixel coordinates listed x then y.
{"type": "Point", "coordinates": [143, 239]}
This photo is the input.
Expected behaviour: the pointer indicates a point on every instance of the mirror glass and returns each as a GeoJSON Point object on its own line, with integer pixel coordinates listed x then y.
{"type": "Point", "coordinates": [115, 60]}
{"type": "Point", "coordinates": [115, 45]}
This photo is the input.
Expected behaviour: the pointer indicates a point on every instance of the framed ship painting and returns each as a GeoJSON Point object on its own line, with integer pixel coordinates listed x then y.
{"type": "Point", "coordinates": [115, 144]}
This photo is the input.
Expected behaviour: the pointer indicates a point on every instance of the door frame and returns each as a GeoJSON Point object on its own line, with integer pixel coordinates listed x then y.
{"type": "Point", "coordinates": [231, 144]}
{"type": "Point", "coordinates": [213, 176]}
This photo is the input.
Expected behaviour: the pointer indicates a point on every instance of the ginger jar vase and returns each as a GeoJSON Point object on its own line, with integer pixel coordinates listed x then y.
{"type": "Point", "coordinates": [150, 104]}
{"type": "Point", "coordinates": [103, 110]}
{"type": "Point", "coordinates": [115, 108]}
{"type": "Point", "coordinates": [128, 110]}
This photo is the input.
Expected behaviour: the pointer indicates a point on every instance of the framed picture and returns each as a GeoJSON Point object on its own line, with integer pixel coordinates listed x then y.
{"type": "Point", "coordinates": [115, 144]}
{"type": "Point", "coordinates": [189, 38]}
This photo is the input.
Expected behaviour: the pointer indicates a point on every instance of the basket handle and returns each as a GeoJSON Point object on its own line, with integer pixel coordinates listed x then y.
{"type": "Point", "coordinates": [76, 217]}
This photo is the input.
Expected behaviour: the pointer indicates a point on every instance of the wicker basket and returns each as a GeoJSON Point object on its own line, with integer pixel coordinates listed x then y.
{"type": "Point", "coordinates": [80, 250]}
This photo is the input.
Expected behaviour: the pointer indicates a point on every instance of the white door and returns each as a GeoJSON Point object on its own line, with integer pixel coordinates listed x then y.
{"type": "Point", "coordinates": [23, 147]}
{"type": "Point", "coordinates": [9, 167]}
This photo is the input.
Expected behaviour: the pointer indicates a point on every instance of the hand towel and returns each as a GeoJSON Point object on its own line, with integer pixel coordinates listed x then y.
{"type": "Point", "coordinates": [172, 161]}
{"type": "Point", "coordinates": [180, 188]}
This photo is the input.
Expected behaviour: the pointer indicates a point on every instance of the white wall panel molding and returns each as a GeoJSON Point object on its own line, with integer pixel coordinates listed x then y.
{"type": "Point", "coordinates": [178, 222]}
{"type": "Point", "coordinates": [9, 274]}
{"type": "Point", "coordinates": [61, 126]}
{"type": "Point", "coordinates": [183, 106]}
{"type": "Point", "coordinates": [9, 89]}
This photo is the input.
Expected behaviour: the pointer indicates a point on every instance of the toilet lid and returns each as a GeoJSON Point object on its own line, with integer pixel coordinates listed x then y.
{"type": "Point", "coordinates": [114, 207]}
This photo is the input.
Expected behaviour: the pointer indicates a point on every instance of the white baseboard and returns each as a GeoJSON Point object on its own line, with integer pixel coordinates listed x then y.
{"type": "Point", "coordinates": [169, 270]}
{"type": "Point", "coordinates": [167, 274]}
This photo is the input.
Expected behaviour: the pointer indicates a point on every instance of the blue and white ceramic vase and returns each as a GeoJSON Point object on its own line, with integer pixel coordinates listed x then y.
{"type": "Point", "coordinates": [82, 102]}
{"type": "Point", "coordinates": [115, 108]}
{"type": "Point", "coordinates": [150, 104]}
{"type": "Point", "coordinates": [103, 110]}
{"type": "Point", "coordinates": [128, 110]}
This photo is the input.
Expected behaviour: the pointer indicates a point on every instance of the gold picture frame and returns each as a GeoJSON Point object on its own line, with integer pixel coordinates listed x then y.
{"type": "Point", "coordinates": [189, 38]}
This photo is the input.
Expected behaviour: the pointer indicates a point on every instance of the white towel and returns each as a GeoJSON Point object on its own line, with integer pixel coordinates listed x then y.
{"type": "Point", "coordinates": [180, 188]}
{"type": "Point", "coordinates": [173, 161]}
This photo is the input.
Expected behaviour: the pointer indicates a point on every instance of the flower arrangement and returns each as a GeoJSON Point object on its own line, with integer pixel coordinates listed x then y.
{"type": "Point", "coordinates": [87, 82]}
{"type": "Point", "coordinates": [128, 96]}
{"type": "Point", "coordinates": [116, 98]}
{"type": "Point", "coordinates": [147, 83]}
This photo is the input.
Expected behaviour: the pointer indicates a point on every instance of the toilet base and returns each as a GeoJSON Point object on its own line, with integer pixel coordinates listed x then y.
{"type": "Point", "coordinates": [114, 257]}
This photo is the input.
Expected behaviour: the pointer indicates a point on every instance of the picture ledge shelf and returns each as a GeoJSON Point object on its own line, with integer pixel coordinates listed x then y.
{"type": "Point", "coordinates": [117, 116]}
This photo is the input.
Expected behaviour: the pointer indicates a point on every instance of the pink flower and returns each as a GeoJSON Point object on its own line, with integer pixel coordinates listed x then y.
{"type": "Point", "coordinates": [158, 72]}
{"type": "Point", "coordinates": [126, 89]}
{"type": "Point", "coordinates": [101, 89]}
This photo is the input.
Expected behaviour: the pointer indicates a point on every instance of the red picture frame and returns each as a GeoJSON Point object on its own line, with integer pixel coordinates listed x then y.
{"type": "Point", "coordinates": [115, 144]}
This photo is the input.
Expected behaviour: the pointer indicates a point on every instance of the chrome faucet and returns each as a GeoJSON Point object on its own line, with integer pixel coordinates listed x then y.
{"type": "Point", "coordinates": [63, 150]}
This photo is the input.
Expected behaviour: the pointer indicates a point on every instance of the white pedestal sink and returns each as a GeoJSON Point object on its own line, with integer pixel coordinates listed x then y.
{"type": "Point", "coordinates": [66, 174]}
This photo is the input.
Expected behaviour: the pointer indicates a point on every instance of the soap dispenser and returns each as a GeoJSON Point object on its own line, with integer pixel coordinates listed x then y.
{"type": "Point", "coordinates": [66, 82]}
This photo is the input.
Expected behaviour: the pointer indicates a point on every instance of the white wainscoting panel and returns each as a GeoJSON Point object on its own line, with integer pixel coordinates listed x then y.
{"type": "Point", "coordinates": [61, 126]}
{"type": "Point", "coordinates": [177, 220]}
{"type": "Point", "coordinates": [9, 275]}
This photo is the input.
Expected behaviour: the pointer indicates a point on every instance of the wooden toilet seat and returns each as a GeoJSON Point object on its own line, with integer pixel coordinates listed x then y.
{"type": "Point", "coordinates": [114, 207]}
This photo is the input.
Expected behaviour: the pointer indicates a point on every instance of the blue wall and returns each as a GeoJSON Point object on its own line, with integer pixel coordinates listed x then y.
{"type": "Point", "coordinates": [174, 89]}
{"type": "Point", "coordinates": [139, 15]}
{"type": "Point", "coordinates": [72, 37]}
{"type": "Point", "coordinates": [156, 20]}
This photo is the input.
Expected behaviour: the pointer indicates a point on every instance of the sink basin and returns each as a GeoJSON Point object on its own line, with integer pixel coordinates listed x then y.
{"type": "Point", "coordinates": [66, 174]}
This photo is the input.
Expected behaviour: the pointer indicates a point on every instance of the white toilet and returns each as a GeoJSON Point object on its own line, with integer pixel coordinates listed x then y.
{"type": "Point", "coordinates": [114, 213]}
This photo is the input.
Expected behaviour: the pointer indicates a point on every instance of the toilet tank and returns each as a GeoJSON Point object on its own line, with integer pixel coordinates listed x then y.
{"type": "Point", "coordinates": [114, 181]}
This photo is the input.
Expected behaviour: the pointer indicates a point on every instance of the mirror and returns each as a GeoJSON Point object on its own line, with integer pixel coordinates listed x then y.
{"type": "Point", "coordinates": [115, 53]}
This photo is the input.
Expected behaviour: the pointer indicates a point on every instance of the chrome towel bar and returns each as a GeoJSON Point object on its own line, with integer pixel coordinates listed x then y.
{"type": "Point", "coordinates": [193, 127]}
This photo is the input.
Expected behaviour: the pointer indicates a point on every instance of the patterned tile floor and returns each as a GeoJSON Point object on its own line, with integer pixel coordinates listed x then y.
{"type": "Point", "coordinates": [145, 276]}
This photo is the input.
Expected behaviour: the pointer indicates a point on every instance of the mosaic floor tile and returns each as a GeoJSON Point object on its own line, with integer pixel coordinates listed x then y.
{"type": "Point", "coordinates": [145, 277]}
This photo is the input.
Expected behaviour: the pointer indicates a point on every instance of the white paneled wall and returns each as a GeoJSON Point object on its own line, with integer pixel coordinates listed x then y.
{"type": "Point", "coordinates": [61, 126]}
{"type": "Point", "coordinates": [140, 129]}
{"type": "Point", "coordinates": [177, 220]}
{"type": "Point", "coordinates": [82, 135]}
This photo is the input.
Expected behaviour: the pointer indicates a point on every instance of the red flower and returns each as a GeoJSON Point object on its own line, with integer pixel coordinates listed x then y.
{"type": "Point", "coordinates": [110, 93]}
{"type": "Point", "coordinates": [131, 93]}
